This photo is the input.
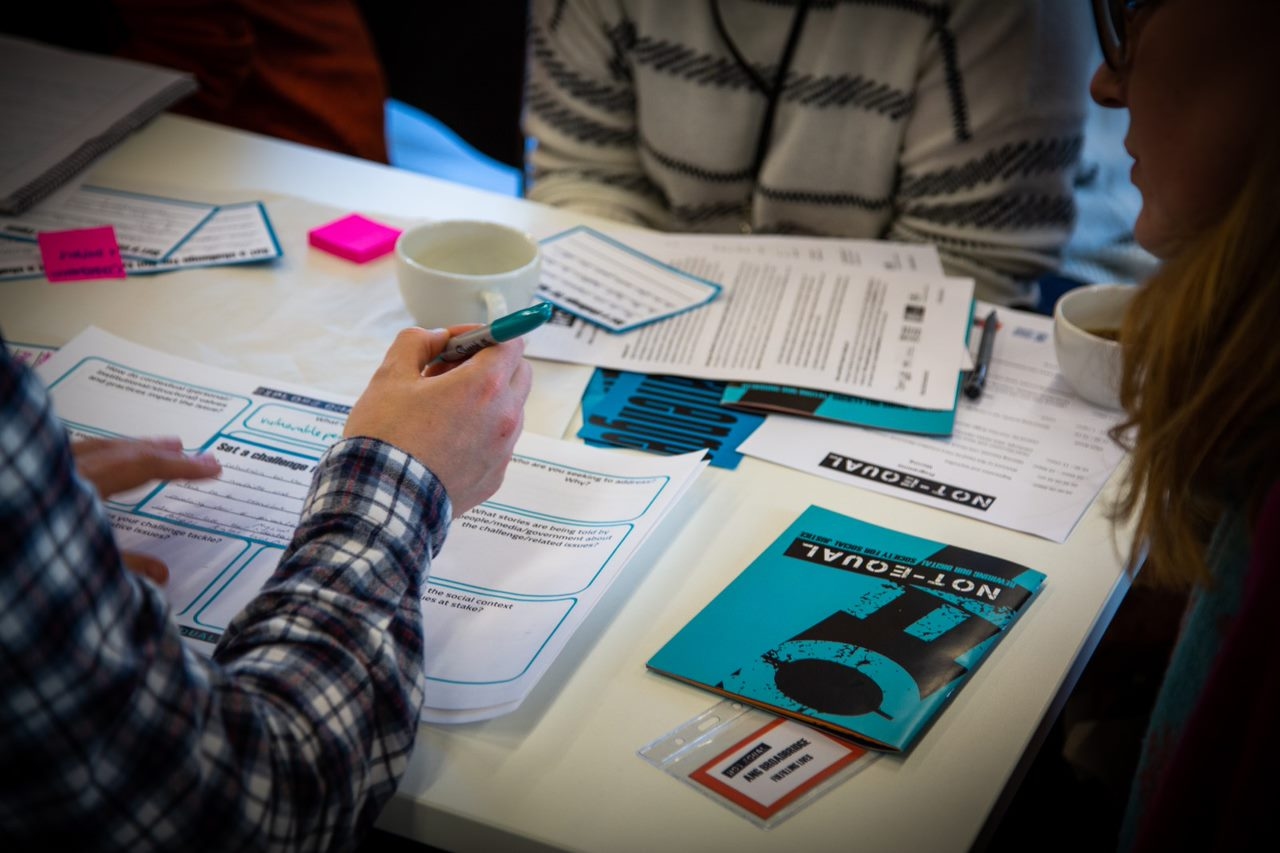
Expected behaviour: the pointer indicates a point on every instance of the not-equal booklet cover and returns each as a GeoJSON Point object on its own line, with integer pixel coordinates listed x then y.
{"type": "Point", "coordinates": [853, 628]}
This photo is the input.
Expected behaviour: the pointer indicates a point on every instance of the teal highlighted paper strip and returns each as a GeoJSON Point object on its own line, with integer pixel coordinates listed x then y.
{"type": "Point", "coordinates": [840, 407]}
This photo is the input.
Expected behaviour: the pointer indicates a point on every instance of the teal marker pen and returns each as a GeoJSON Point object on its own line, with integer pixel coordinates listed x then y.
{"type": "Point", "coordinates": [502, 329]}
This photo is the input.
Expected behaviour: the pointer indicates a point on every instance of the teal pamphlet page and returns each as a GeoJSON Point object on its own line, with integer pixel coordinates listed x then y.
{"type": "Point", "coordinates": [860, 630]}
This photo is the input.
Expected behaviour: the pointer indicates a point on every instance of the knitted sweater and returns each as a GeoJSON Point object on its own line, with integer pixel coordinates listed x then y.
{"type": "Point", "coordinates": [957, 122]}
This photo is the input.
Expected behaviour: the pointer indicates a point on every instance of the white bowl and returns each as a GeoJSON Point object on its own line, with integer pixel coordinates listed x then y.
{"type": "Point", "coordinates": [1090, 363]}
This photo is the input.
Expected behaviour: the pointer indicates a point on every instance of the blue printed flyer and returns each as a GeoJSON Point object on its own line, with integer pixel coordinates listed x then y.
{"type": "Point", "coordinates": [663, 414]}
{"type": "Point", "coordinates": [855, 629]}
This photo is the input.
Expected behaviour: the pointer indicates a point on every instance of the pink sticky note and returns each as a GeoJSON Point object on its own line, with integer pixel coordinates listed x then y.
{"type": "Point", "coordinates": [80, 254]}
{"type": "Point", "coordinates": [355, 238]}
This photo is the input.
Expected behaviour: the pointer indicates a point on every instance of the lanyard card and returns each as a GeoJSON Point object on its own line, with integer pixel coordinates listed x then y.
{"type": "Point", "coordinates": [612, 285]}
{"type": "Point", "coordinates": [764, 767]}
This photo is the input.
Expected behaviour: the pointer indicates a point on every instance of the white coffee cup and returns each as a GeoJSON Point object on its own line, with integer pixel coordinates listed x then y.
{"type": "Point", "coordinates": [465, 271]}
{"type": "Point", "coordinates": [1088, 360]}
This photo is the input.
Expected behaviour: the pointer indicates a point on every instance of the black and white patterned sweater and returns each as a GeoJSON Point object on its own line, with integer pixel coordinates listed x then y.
{"type": "Point", "coordinates": [957, 123]}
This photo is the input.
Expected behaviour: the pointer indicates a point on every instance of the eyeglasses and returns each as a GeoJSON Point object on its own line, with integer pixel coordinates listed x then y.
{"type": "Point", "coordinates": [1114, 19]}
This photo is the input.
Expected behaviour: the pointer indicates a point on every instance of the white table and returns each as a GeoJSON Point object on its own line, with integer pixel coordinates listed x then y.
{"type": "Point", "coordinates": [562, 771]}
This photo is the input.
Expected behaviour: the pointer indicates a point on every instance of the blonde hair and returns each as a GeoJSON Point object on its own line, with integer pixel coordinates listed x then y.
{"type": "Point", "coordinates": [1201, 383]}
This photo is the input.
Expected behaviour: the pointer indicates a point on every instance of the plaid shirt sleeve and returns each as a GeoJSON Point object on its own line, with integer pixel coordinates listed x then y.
{"type": "Point", "coordinates": [116, 736]}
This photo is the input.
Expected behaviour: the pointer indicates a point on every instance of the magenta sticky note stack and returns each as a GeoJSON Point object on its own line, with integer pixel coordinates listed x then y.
{"type": "Point", "coordinates": [80, 254]}
{"type": "Point", "coordinates": [355, 238]}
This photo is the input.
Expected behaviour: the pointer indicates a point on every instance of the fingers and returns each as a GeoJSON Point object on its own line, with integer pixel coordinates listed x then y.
{"type": "Point", "coordinates": [85, 447]}
{"type": "Point", "coordinates": [504, 358]}
{"type": "Point", "coordinates": [147, 566]}
{"type": "Point", "coordinates": [494, 373]}
{"type": "Point", "coordinates": [461, 420]}
{"type": "Point", "coordinates": [157, 464]}
{"type": "Point", "coordinates": [412, 349]}
{"type": "Point", "coordinates": [123, 464]}
{"type": "Point", "coordinates": [442, 367]}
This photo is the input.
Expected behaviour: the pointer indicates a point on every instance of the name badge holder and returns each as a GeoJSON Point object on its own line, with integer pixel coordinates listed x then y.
{"type": "Point", "coordinates": [761, 766]}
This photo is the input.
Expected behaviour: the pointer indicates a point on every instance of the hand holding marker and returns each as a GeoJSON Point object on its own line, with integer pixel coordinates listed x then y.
{"type": "Point", "coordinates": [462, 347]}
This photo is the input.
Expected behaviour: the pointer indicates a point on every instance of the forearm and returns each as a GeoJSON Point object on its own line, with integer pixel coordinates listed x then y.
{"type": "Point", "coordinates": [114, 731]}
{"type": "Point", "coordinates": [323, 670]}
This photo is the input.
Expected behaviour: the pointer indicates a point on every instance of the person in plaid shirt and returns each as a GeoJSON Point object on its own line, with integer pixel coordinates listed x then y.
{"type": "Point", "coordinates": [114, 735]}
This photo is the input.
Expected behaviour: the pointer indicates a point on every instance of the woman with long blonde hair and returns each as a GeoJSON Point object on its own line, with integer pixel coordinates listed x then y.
{"type": "Point", "coordinates": [1201, 394]}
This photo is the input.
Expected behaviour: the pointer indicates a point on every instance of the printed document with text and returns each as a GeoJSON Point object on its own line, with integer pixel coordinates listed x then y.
{"type": "Point", "coordinates": [516, 577]}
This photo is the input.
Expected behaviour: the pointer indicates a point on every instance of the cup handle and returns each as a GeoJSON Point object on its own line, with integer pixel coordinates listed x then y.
{"type": "Point", "coordinates": [495, 304]}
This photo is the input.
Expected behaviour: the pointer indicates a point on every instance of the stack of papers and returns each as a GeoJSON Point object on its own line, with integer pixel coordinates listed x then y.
{"type": "Point", "coordinates": [867, 341]}
{"type": "Point", "coordinates": [154, 234]}
{"type": "Point", "coordinates": [835, 316]}
{"type": "Point", "coordinates": [517, 575]}
{"type": "Point", "coordinates": [1029, 455]}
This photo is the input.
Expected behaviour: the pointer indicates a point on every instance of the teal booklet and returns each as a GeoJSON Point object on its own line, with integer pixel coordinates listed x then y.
{"type": "Point", "coordinates": [852, 628]}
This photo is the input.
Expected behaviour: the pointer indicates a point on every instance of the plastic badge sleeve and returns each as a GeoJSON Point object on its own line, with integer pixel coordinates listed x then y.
{"type": "Point", "coordinates": [764, 767]}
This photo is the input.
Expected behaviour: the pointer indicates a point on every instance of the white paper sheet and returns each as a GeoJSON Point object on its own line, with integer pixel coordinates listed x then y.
{"type": "Point", "coordinates": [522, 571]}
{"type": "Point", "coordinates": [19, 259]}
{"type": "Point", "coordinates": [802, 313]}
{"type": "Point", "coordinates": [716, 249]}
{"type": "Point", "coordinates": [1029, 454]}
{"type": "Point", "coordinates": [235, 234]}
{"type": "Point", "coordinates": [516, 577]}
{"type": "Point", "coordinates": [148, 228]}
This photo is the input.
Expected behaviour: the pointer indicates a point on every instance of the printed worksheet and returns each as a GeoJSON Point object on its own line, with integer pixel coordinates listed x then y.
{"type": "Point", "coordinates": [147, 227]}
{"type": "Point", "coordinates": [515, 579]}
{"type": "Point", "coordinates": [844, 318]}
{"type": "Point", "coordinates": [19, 259]}
{"type": "Point", "coordinates": [521, 571]}
{"type": "Point", "coordinates": [234, 234]}
{"type": "Point", "coordinates": [1029, 454]}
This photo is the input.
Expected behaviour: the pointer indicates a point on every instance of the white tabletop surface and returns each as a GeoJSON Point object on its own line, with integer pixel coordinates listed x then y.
{"type": "Point", "coordinates": [562, 771]}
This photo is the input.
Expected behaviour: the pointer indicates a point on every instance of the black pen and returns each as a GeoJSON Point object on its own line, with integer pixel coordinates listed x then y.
{"type": "Point", "coordinates": [977, 377]}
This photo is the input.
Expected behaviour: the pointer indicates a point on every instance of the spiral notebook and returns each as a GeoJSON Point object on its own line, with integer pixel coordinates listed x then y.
{"type": "Point", "coordinates": [62, 109]}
